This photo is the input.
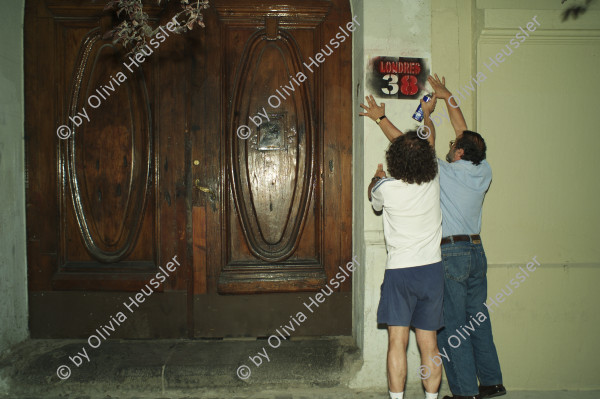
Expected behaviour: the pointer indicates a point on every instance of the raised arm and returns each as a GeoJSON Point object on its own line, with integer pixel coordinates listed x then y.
{"type": "Point", "coordinates": [456, 116]}
{"type": "Point", "coordinates": [428, 129]}
{"type": "Point", "coordinates": [377, 112]}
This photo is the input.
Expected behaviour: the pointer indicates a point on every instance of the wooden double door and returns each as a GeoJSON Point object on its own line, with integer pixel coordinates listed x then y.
{"type": "Point", "coordinates": [155, 199]}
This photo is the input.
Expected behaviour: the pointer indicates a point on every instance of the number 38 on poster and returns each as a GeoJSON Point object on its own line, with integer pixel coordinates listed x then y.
{"type": "Point", "coordinates": [398, 77]}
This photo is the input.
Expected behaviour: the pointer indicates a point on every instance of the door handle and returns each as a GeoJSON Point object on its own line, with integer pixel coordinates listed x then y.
{"type": "Point", "coordinates": [211, 195]}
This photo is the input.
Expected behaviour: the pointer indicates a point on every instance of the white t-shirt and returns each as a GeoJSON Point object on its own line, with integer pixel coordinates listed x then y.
{"type": "Point", "coordinates": [412, 221]}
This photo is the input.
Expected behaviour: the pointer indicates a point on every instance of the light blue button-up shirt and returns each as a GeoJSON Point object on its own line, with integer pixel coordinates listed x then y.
{"type": "Point", "coordinates": [462, 188]}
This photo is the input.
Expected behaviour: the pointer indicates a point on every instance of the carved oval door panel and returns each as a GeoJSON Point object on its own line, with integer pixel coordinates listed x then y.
{"type": "Point", "coordinates": [272, 170]}
{"type": "Point", "coordinates": [283, 209]}
{"type": "Point", "coordinates": [108, 161]}
{"type": "Point", "coordinates": [102, 217]}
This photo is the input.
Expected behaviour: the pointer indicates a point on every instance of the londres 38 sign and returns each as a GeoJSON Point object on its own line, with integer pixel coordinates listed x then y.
{"type": "Point", "coordinates": [397, 77]}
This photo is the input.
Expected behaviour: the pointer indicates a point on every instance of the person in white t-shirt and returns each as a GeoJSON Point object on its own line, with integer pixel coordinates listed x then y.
{"type": "Point", "coordinates": [413, 287]}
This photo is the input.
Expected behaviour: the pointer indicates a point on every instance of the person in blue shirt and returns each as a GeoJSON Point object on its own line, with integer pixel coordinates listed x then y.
{"type": "Point", "coordinates": [466, 342]}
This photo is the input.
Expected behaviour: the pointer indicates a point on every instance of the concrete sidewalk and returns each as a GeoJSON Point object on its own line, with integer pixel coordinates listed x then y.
{"type": "Point", "coordinates": [185, 369]}
{"type": "Point", "coordinates": [314, 393]}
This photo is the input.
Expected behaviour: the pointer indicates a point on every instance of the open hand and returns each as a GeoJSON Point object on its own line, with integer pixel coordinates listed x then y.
{"type": "Point", "coordinates": [439, 87]}
{"type": "Point", "coordinates": [373, 110]}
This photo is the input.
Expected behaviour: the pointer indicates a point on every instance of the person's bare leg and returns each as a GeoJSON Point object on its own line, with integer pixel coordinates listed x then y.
{"type": "Point", "coordinates": [396, 357]}
{"type": "Point", "coordinates": [427, 342]}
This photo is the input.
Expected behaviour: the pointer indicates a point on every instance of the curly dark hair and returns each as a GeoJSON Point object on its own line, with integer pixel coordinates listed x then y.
{"type": "Point", "coordinates": [411, 159]}
{"type": "Point", "coordinates": [473, 146]}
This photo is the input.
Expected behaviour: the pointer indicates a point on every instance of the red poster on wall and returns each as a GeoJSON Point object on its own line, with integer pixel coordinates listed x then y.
{"type": "Point", "coordinates": [397, 77]}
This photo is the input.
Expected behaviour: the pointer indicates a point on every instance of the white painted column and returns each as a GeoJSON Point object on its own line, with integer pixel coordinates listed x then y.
{"type": "Point", "coordinates": [388, 28]}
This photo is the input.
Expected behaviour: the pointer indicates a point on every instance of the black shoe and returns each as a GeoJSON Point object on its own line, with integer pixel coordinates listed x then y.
{"type": "Point", "coordinates": [491, 391]}
{"type": "Point", "coordinates": [462, 397]}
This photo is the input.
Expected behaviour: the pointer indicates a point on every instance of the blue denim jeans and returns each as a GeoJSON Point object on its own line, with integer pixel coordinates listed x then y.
{"type": "Point", "coordinates": [465, 291]}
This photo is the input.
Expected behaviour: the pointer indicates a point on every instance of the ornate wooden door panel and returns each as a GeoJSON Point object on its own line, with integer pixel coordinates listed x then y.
{"type": "Point", "coordinates": [107, 206]}
{"type": "Point", "coordinates": [106, 167]}
{"type": "Point", "coordinates": [271, 174]}
{"type": "Point", "coordinates": [279, 225]}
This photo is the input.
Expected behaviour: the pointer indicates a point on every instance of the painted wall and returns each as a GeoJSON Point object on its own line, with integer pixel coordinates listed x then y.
{"type": "Point", "coordinates": [537, 110]}
{"type": "Point", "coordinates": [13, 264]}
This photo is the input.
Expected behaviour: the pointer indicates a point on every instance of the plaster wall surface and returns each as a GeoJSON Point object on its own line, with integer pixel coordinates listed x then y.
{"type": "Point", "coordinates": [13, 264]}
{"type": "Point", "coordinates": [538, 114]}
{"type": "Point", "coordinates": [537, 111]}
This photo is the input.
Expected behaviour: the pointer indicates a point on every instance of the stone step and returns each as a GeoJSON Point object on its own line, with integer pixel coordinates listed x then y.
{"type": "Point", "coordinates": [121, 367]}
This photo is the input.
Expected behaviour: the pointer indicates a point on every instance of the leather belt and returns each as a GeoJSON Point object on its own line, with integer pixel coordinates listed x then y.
{"type": "Point", "coordinates": [474, 238]}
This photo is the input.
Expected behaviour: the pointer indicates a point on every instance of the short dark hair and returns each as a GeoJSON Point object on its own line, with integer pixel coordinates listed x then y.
{"type": "Point", "coordinates": [411, 159]}
{"type": "Point", "coordinates": [473, 146]}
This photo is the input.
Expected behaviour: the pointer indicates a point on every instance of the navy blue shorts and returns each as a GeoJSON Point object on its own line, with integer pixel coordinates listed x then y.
{"type": "Point", "coordinates": [413, 296]}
